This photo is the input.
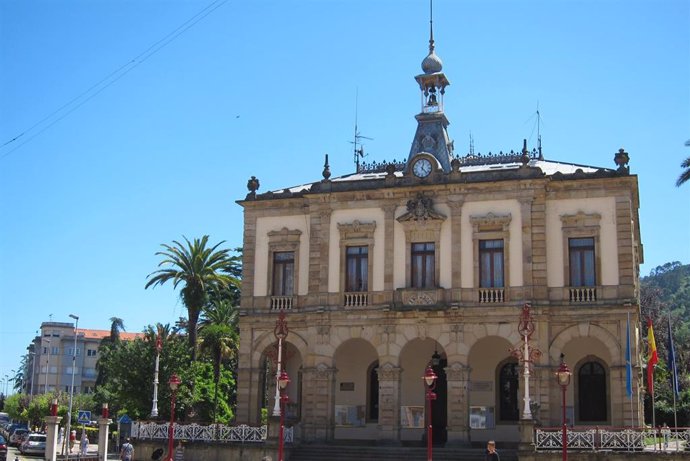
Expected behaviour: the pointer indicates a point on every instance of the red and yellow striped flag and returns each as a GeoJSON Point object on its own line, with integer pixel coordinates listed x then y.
{"type": "Point", "coordinates": [652, 359]}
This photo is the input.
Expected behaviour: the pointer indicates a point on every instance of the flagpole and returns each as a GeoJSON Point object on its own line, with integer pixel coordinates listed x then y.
{"type": "Point", "coordinates": [674, 377]}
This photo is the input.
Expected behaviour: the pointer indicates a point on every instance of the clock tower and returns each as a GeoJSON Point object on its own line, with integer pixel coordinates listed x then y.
{"type": "Point", "coordinates": [431, 137]}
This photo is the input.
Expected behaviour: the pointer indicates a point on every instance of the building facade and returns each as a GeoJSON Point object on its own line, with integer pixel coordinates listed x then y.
{"type": "Point", "coordinates": [49, 367]}
{"type": "Point", "coordinates": [397, 266]}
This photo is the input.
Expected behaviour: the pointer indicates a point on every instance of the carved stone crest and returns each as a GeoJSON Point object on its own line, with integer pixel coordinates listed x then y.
{"type": "Point", "coordinates": [420, 208]}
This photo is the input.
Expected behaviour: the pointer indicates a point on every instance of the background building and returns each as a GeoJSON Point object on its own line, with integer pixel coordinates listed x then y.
{"type": "Point", "coordinates": [49, 367]}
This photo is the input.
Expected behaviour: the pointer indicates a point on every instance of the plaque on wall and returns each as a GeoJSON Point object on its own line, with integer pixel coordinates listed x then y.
{"type": "Point", "coordinates": [482, 386]}
{"type": "Point", "coordinates": [412, 416]}
{"type": "Point", "coordinates": [482, 418]}
{"type": "Point", "coordinates": [350, 415]}
{"type": "Point", "coordinates": [347, 386]}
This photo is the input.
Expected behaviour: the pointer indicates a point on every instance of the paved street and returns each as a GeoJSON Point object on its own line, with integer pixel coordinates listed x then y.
{"type": "Point", "coordinates": [13, 453]}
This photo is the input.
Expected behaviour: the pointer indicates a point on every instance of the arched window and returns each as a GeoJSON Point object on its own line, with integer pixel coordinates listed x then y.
{"type": "Point", "coordinates": [508, 391]}
{"type": "Point", "coordinates": [592, 404]}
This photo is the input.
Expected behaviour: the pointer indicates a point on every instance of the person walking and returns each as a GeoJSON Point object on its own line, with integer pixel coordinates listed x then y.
{"type": "Point", "coordinates": [83, 443]}
{"type": "Point", "coordinates": [491, 453]}
{"type": "Point", "coordinates": [127, 451]}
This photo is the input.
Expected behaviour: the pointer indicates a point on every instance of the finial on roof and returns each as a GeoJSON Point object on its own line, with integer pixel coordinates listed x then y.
{"type": "Point", "coordinates": [432, 63]}
{"type": "Point", "coordinates": [326, 169]}
{"type": "Point", "coordinates": [525, 153]}
{"type": "Point", "coordinates": [621, 159]}
{"type": "Point", "coordinates": [431, 26]}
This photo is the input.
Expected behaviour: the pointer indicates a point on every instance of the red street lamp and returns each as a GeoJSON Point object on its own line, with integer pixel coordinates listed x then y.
{"type": "Point", "coordinates": [283, 381]}
{"type": "Point", "coordinates": [429, 383]}
{"type": "Point", "coordinates": [563, 379]}
{"type": "Point", "coordinates": [174, 382]}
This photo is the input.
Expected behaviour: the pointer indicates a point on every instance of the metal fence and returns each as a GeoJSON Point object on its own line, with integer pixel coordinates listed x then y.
{"type": "Point", "coordinates": [206, 433]}
{"type": "Point", "coordinates": [612, 439]}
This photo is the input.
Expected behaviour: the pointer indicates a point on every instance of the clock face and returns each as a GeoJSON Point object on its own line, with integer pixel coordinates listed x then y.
{"type": "Point", "coordinates": [422, 168]}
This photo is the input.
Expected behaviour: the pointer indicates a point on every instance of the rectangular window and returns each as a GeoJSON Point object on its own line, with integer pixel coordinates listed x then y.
{"type": "Point", "coordinates": [91, 352]}
{"type": "Point", "coordinates": [582, 273]}
{"type": "Point", "coordinates": [283, 273]}
{"type": "Point", "coordinates": [45, 350]}
{"type": "Point", "coordinates": [423, 267]}
{"type": "Point", "coordinates": [491, 263]}
{"type": "Point", "coordinates": [55, 350]}
{"type": "Point", "coordinates": [70, 350]}
{"type": "Point", "coordinates": [357, 269]}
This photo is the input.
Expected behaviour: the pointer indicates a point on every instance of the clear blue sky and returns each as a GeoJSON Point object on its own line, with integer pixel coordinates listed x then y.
{"type": "Point", "coordinates": [266, 88]}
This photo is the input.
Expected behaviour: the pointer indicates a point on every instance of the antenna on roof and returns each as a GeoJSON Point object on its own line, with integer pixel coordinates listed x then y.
{"type": "Point", "coordinates": [471, 145]}
{"type": "Point", "coordinates": [358, 146]}
{"type": "Point", "coordinates": [538, 126]}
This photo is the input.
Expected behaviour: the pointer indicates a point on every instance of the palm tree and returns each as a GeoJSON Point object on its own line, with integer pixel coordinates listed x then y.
{"type": "Point", "coordinates": [200, 269]}
{"type": "Point", "coordinates": [116, 324]}
{"type": "Point", "coordinates": [685, 175]}
{"type": "Point", "coordinates": [219, 338]}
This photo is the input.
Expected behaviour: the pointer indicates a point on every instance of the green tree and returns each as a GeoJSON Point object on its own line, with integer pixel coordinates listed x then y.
{"type": "Point", "coordinates": [200, 269]}
{"type": "Point", "coordinates": [685, 175]}
{"type": "Point", "coordinates": [219, 339]}
{"type": "Point", "coordinates": [116, 325]}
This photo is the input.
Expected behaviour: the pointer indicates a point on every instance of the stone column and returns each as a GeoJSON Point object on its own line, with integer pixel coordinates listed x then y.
{"type": "Point", "coordinates": [389, 244]}
{"type": "Point", "coordinates": [389, 403]}
{"type": "Point", "coordinates": [318, 390]}
{"type": "Point", "coordinates": [457, 377]}
{"type": "Point", "coordinates": [526, 428]}
{"type": "Point", "coordinates": [455, 251]}
{"type": "Point", "coordinates": [52, 423]}
{"type": "Point", "coordinates": [103, 438]}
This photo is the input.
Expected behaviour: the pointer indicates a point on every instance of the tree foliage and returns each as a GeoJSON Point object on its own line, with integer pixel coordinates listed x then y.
{"type": "Point", "coordinates": [201, 270]}
{"type": "Point", "coordinates": [665, 299]}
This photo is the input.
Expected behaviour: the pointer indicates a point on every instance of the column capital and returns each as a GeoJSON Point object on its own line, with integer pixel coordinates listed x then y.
{"type": "Point", "coordinates": [53, 419]}
{"type": "Point", "coordinates": [389, 372]}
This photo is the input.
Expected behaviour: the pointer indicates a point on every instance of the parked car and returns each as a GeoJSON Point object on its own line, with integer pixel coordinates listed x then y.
{"type": "Point", "coordinates": [17, 436]}
{"type": "Point", "coordinates": [35, 444]}
{"type": "Point", "coordinates": [3, 448]}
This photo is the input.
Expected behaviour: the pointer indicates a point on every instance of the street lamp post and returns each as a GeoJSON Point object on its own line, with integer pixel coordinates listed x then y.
{"type": "Point", "coordinates": [563, 378]}
{"type": "Point", "coordinates": [280, 331]}
{"type": "Point", "coordinates": [526, 354]}
{"type": "Point", "coordinates": [32, 354]}
{"type": "Point", "coordinates": [71, 389]}
{"type": "Point", "coordinates": [429, 384]}
{"type": "Point", "coordinates": [174, 383]}
{"type": "Point", "coordinates": [45, 387]}
{"type": "Point", "coordinates": [159, 347]}
{"type": "Point", "coordinates": [283, 381]}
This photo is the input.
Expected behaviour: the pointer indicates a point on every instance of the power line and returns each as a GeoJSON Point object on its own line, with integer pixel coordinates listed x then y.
{"type": "Point", "coordinates": [112, 77]}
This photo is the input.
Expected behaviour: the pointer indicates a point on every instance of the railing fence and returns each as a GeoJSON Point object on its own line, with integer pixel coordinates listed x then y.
{"type": "Point", "coordinates": [207, 433]}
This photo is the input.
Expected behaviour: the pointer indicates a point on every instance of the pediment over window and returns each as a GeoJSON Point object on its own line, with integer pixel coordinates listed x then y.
{"type": "Point", "coordinates": [580, 219]}
{"type": "Point", "coordinates": [491, 222]}
{"type": "Point", "coordinates": [356, 229]}
{"type": "Point", "coordinates": [421, 208]}
{"type": "Point", "coordinates": [285, 235]}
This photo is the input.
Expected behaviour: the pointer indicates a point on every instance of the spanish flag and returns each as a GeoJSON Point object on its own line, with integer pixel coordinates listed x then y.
{"type": "Point", "coordinates": [652, 359]}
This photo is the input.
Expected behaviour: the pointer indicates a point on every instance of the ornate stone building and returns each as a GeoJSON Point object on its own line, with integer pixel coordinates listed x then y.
{"type": "Point", "coordinates": [396, 266]}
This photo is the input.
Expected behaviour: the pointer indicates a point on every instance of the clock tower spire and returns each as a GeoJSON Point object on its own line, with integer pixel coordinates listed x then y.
{"type": "Point", "coordinates": [431, 136]}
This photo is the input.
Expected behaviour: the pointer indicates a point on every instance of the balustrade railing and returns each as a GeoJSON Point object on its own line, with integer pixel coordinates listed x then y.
{"type": "Point", "coordinates": [610, 439]}
{"type": "Point", "coordinates": [491, 295]}
{"type": "Point", "coordinates": [356, 299]}
{"type": "Point", "coordinates": [206, 433]}
{"type": "Point", "coordinates": [281, 303]}
{"type": "Point", "coordinates": [583, 294]}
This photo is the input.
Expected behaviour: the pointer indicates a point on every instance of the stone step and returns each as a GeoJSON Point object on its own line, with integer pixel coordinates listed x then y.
{"type": "Point", "coordinates": [380, 453]}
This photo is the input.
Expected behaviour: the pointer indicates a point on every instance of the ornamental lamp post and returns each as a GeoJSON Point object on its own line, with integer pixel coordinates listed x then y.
{"type": "Point", "coordinates": [174, 382]}
{"type": "Point", "coordinates": [71, 389]}
{"type": "Point", "coordinates": [283, 381]}
{"type": "Point", "coordinates": [563, 379]}
{"type": "Point", "coordinates": [280, 331]}
{"type": "Point", "coordinates": [159, 347]}
{"type": "Point", "coordinates": [429, 384]}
